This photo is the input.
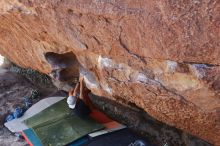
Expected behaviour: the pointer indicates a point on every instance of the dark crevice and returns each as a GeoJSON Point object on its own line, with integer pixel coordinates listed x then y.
{"type": "Point", "coordinates": [126, 48]}
{"type": "Point", "coordinates": [59, 61]}
{"type": "Point", "coordinates": [95, 38]}
{"type": "Point", "coordinates": [144, 61]}
{"type": "Point", "coordinates": [70, 11]}
{"type": "Point", "coordinates": [65, 67]}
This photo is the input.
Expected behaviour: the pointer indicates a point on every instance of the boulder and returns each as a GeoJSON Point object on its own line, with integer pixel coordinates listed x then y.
{"type": "Point", "coordinates": [162, 55]}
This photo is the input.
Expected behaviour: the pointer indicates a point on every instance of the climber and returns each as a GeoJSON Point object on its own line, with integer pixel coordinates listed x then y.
{"type": "Point", "coordinates": [79, 101]}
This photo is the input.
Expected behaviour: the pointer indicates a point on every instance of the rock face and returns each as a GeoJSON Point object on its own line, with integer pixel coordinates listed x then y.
{"type": "Point", "coordinates": [162, 55]}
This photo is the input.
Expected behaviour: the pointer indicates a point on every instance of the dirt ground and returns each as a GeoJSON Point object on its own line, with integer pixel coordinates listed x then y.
{"type": "Point", "coordinates": [15, 83]}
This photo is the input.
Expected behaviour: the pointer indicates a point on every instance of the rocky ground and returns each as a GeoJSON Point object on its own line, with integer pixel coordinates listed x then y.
{"type": "Point", "coordinates": [15, 83]}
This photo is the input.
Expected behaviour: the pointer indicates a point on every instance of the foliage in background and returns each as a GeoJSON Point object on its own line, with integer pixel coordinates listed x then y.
{"type": "Point", "coordinates": [33, 76]}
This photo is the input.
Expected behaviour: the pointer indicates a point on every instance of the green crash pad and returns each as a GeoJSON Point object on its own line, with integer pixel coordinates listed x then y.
{"type": "Point", "coordinates": [58, 125]}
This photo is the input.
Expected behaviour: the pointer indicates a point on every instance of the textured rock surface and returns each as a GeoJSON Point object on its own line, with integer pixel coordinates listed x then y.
{"type": "Point", "coordinates": [162, 55]}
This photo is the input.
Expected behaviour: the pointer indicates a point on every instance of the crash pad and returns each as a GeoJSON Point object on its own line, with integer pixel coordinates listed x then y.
{"type": "Point", "coordinates": [31, 138]}
{"type": "Point", "coordinates": [58, 125]}
{"type": "Point", "coordinates": [17, 125]}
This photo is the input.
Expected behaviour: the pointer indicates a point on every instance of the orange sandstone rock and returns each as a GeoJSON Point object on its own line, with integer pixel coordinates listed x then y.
{"type": "Point", "coordinates": [162, 55]}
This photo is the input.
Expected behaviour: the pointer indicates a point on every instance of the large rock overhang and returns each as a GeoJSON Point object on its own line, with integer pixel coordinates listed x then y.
{"type": "Point", "coordinates": [164, 56]}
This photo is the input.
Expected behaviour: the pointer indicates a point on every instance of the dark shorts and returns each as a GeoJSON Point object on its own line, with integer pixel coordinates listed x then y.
{"type": "Point", "coordinates": [81, 109]}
